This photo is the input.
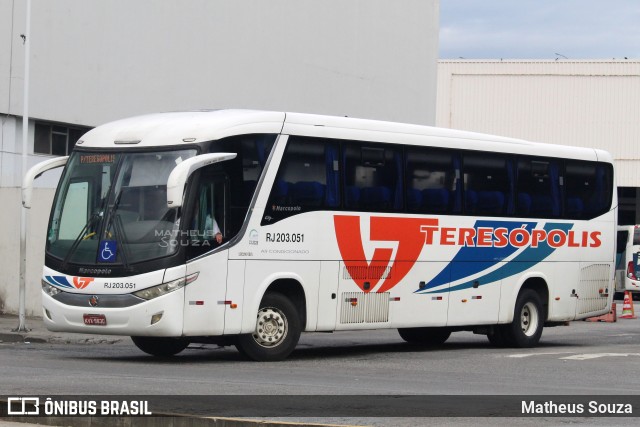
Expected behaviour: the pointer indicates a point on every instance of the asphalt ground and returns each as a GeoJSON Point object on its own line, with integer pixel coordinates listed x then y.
{"type": "Point", "coordinates": [37, 333]}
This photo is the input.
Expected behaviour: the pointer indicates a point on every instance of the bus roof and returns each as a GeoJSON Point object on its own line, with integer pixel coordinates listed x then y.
{"type": "Point", "coordinates": [168, 129]}
{"type": "Point", "coordinates": [175, 128]}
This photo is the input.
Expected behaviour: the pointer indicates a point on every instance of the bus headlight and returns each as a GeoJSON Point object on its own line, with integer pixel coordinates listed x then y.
{"type": "Point", "coordinates": [165, 288]}
{"type": "Point", "coordinates": [48, 289]}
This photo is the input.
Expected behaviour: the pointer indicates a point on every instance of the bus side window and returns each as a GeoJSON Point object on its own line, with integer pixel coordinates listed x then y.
{"type": "Point", "coordinates": [307, 180]}
{"type": "Point", "coordinates": [621, 247]}
{"type": "Point", "coordinates": [431, 181]}
{"type": "Point", "coordinates": [586, 189]}
{"type": "Point", "coordinates": [242, 174]}
{"type": "Point", "coordinates": [487, 184]}
{"type": "Point", "coordinates": [208, 217]}
{"type": "Point", "coordinates": [255, 150]}
{"type": "Point", "coordinates": [538, 188]}
{"type": "Point", "coordinates": [373, 177]}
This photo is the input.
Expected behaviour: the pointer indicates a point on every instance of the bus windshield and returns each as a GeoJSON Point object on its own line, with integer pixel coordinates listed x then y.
{"type": "Point", "coordinates": [112, 208]}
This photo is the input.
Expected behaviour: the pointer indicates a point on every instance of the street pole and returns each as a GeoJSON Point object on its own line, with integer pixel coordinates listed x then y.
{"type": "Point", "coordinates": [22, 295]}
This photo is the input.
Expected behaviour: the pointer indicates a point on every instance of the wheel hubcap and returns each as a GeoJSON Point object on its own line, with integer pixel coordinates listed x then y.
{"type": "Point", "coordinates": [271, 327]}
{"type": "Point", "coordinates": [529, 319]}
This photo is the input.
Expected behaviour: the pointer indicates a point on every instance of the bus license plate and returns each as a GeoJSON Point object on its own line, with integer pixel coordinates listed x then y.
{"type": "Point", "coordinates": [95, 319]}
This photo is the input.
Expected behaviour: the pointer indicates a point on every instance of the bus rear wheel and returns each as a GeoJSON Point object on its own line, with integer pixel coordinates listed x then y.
{"type": "Point", "coordinates": [528, 321]}
{"type": "Point", "coordinates": [277, 330]}
{"type": "Point", "coordinates": [425, 336]}
{"type": "Point", "coordinates": [160, 346]}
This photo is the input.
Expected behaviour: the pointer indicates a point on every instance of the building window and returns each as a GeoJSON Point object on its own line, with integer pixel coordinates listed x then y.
{"type": "Point", "coordinates": [56, 139]}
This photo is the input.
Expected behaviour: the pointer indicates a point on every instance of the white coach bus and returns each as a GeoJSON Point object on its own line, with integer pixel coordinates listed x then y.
{"type": "Point", "coordinates": [247, 228]}
{"type": "Point", "coordinates": [628, 259]}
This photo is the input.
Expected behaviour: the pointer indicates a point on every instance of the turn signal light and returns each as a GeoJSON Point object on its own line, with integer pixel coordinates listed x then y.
{"type": "Point", "coordinates": [156, 317]}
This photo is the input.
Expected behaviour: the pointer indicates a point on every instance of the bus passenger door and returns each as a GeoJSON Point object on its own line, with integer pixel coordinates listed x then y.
{"type": "Point", "coordinates": [204, 307]}
{"type": "Point", "coordinates": [204, 311]}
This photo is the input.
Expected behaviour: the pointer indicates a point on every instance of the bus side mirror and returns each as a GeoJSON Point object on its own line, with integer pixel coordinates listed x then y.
{"type": "Point", "coordinates": [36, 171]}
{"type": "Point", "coordinates": [181, 173]}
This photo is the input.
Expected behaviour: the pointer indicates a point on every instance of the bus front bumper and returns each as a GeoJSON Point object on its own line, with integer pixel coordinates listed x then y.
{"type": "Point", "coordinates": [161, 317]}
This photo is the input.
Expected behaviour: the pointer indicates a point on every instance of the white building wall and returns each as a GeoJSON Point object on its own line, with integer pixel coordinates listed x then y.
{"type": "Point", "coordinates": [93, 62]}
{"type": "Point", "coordinates": [37, 217]}
{"type": "Point", "coordinates": [581, 103]}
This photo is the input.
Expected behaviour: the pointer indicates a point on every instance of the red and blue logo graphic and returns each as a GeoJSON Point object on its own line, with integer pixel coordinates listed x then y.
{"type": "Point", "coordinates": [405, 231]}
{"type": "Point", "coordinates": [482, 247]}
{"type": "Point", "coordinates": [76, 282]}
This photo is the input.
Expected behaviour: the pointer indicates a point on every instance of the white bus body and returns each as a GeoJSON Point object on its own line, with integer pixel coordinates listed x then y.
{"type": "Point", "coordinates": [628, 259]}
{"type": "Point", "coordinates": [329, 224]}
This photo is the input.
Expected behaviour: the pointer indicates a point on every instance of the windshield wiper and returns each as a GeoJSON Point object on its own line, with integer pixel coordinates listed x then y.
{"type": "Point", "coordinates": [115, 221]}
{"type": "Point", "coordinates": [112, 212]}
{"type": "Point", "coordinates": [98, 214]}
{"type": "Point", "coordinates": [118, 228]}
{"type": "Point", "coordinates": [81, 236]}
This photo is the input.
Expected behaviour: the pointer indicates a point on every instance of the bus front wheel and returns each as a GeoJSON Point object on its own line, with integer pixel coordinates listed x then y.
{"type": "Point", "coordinates": [528, 321]}
{"type": "Point", "coordinates": [161, 347]}
{"type": "Point", "coordinates": [425, 336]}
{"type": "Point", "coordinates": [277, 330]}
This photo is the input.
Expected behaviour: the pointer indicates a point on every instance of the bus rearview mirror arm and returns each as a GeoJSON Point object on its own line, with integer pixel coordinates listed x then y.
{"type": "Point", "coordinates": [181, 173]}
{"type": "Point", "coordinates": [35, 172]}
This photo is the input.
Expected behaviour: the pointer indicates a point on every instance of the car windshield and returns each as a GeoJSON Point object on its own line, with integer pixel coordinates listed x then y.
{"type": "Point", "coordinates": [112, 208]}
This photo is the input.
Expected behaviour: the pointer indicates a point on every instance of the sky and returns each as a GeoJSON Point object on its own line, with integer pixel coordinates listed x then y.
{"type": "Point", "coordinates": [539, 29]}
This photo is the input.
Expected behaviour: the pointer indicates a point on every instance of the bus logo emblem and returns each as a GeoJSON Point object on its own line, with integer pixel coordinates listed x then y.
{"type": "Point", "coordinates": [82, 282]}
{"type": "Point", "coordinates": [405, 231]}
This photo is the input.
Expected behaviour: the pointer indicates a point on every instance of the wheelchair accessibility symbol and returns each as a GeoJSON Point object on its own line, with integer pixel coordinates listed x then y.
{"type": "Point", "coordinates": [107, 251]}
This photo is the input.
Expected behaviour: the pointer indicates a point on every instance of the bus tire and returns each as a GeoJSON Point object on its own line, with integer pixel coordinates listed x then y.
{"type": "Point", "coordinates": [528, 321]}
{"type": "Point", "coordinates": [425, 336]}
{"type": "Point", "coordinates": [160, 346]}
{"type": "Point", "coordinates": [277, 332]}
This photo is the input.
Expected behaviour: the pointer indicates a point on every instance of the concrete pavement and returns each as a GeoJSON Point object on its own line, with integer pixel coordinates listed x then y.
{"type": "Point", "coordinates": [38, 333]}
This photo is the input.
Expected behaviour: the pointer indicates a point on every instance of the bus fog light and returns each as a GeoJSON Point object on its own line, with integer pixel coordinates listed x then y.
{"type": "Point", "coordinates": [156, 317]}
{"type": "Point", "coordinates": [46, 313]}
